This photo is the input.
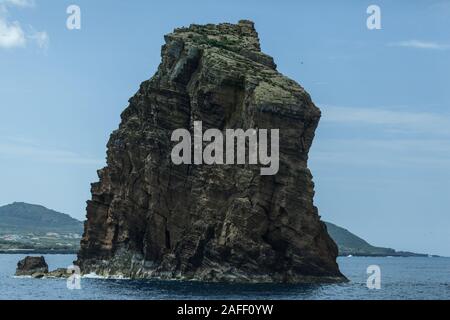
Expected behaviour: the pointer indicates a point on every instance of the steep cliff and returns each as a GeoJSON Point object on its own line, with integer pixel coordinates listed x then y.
{"type": "Point", "coordinates": [151, 218]}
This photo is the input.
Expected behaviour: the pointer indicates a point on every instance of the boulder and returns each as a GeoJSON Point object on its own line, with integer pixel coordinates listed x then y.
{"type": "Point", "coordinates": [59, 273]}
{"type": "Point", "coordinates": [32, 266]}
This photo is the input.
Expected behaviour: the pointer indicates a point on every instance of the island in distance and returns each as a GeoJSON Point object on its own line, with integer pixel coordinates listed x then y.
{"type": "Point", "coordinates": [28, 228]}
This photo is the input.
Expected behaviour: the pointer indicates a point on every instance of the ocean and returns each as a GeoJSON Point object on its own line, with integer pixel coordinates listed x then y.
{"type": "Point", "coordinates": [401, 278]}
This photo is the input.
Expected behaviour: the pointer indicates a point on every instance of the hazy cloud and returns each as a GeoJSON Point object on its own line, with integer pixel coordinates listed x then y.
{"type": "Point", "coordinates": [19, 3]}
{"type": "Point", "coordinates": [24, 148]}
{"type": "Point", "coordinates": [398, 120]}
{"type": "Point", "coordinates": [422, 153]}
{"type": "Point", "coordinates": [41, 39]}
{"type": "Point", "coordinates": [398, 138]}
{"type": "Point", "coordinates": [417, 44]}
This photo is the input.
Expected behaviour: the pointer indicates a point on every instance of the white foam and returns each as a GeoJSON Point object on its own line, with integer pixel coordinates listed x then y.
{"type": "Point", "coordinates": [93, 275]}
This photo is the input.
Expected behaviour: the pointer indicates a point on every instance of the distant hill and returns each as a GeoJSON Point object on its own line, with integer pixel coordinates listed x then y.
{"type": "Point", "coordinates": [350, 244]}
{"type": "Point", "coordinates": [20, 217]}
{"type": "Point", "coordinates": [29, 228]}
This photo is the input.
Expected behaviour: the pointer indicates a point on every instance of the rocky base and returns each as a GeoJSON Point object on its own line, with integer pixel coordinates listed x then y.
{"type": "Point", "coordinates": [133, 266]}
{"type": "Point", "coordinates": [37, 267]}
{"type": "Point", "coordinates": [32, 266]}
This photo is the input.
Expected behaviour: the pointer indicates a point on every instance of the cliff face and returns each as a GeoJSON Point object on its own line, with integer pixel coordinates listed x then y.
{"type": "Point", "coordinates": [151, 218]}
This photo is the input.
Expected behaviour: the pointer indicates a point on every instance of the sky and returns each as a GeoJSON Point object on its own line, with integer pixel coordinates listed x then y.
{"type": "Point", "coordinates": [381, 157]}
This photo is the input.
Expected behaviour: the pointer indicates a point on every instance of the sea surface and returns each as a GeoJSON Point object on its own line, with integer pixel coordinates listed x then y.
{"type": "Point", "coordinates": [401, 278]}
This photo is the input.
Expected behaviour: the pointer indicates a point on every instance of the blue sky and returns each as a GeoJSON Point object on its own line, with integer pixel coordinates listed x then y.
{"type": "Point", "coordinates": [381, 158]}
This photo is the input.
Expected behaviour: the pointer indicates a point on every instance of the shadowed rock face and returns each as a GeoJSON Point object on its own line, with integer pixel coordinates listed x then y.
{"type": "Point", "coordinates": [150, 218]}
{"type": "Point", "coordinates": [32, 266]}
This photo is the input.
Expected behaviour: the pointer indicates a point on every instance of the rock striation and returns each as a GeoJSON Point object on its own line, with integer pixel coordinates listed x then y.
{"type": "Point", "coordinates": [149, 218]}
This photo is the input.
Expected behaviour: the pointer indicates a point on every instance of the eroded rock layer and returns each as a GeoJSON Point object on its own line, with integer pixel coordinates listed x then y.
{"type": "Point", "coordinates": [150, 218]}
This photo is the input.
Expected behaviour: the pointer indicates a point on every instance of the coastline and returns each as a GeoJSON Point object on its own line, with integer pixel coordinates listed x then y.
{"type": "Point", "coordinates": [74, 252]}
{"type": "Point", "coordinates": [39, 251]}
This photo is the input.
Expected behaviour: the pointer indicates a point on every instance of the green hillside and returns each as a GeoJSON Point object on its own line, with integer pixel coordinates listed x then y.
{"type": "Point", "coordinates": [31, 227]}
{"type": "Point", "coordinates": [350, 244]}
{"type": "Point", "coordinates": [22, 217]}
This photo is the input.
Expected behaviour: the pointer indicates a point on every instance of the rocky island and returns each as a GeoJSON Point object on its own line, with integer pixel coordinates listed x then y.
{"type": "Point", "coordinates": [37, 267]}
{"type": "Point", "coordinates": [149, 218]}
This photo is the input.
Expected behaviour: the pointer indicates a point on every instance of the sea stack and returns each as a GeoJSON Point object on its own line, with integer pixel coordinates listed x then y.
{"type": "Point", "coordinates": [32, 266]}
{"type": "Point", "coordinates": [150, 218]}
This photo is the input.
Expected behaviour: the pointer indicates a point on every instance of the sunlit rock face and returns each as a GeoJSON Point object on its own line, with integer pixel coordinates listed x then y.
{"type": "Point", "coordinates": [149, 218]}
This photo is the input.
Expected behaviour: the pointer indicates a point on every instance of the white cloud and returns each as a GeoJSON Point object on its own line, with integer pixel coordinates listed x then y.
{"type": "Point", "coordinates": [12, 34]}
{"type": "Point", "coordinates": [41, 38]}
{"type": "Point", "coordinates": [417, 44]}
{"type": "Point", "coordinates": [397, 120]}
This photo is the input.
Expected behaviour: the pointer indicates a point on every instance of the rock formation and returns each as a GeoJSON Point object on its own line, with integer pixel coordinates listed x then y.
{"type": "Point", "coordinates": [32, 266]}
{"type": "Point", "coordinates": [149, 218]}
{"type": "Point", "coordinates": [37, 267]}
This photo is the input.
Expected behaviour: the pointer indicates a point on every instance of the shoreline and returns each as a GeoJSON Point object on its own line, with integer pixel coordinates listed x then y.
{"type": "Point", "coordinates": [55, 251]}
{"type": "Point", "coordinates": [37, 251]}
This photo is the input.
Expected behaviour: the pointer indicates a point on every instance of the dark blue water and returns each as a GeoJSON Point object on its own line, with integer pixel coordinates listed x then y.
{"type": "Point", "coordinates": [401, 278]}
